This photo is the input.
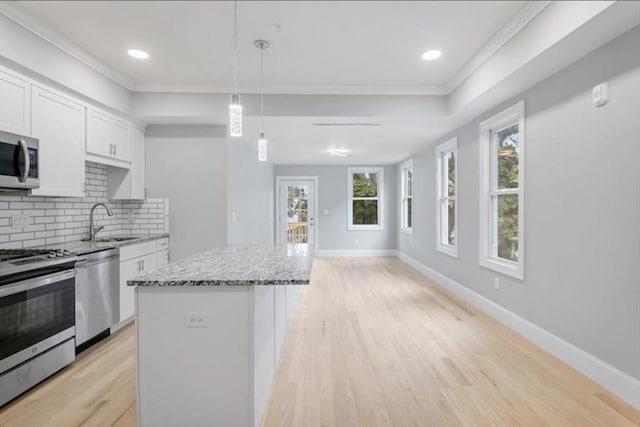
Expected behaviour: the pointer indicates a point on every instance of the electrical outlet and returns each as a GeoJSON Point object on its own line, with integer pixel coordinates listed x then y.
{"type": "Point", "coordinates": [234, 217]}
{"type": "Point", "coordinates": [195, 320]}
{"type": "Point", "coordinates": [496, 283]}
{"type": "Point", "coordinates": [21, 221]}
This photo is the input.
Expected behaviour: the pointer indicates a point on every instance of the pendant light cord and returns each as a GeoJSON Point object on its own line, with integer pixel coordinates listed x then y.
{"type": "Point", "coordinates": [262, 86]}
{"type": "Point", "coordinates": [235, 46]}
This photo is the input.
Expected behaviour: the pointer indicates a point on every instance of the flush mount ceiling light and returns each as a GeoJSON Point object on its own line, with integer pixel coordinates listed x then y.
{"type": "Point", "coordinates": [262, 140]}
{"type": "Point", "coordinates": [337, 152]}
{"type": "Point", "coordinates": [138, 54]}
{"type": "Point", "coordinates": [235, 108]}
{"type": "Point", "coordinates": [430, 55]}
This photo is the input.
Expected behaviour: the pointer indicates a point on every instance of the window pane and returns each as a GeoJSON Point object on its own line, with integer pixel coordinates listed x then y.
{"type": "Point", "coordinates": [409, 183]}
{"type": "Point", "coordinates": [451, 173]}
{"type": "Point", "coordinates": [506, 234]}
{"type": "Point", "coordinates": [302, 216]}
{"type": "Point", "coordinates": [409, 212]}
{"type": "Point", "coordinates": [507, 142]}
{"type": "Point", "coordinates": [365, 212]}
{"type": "Point", "coordinates": [451, 216]}
{"type": "Point", "coordinates": [365, 185]}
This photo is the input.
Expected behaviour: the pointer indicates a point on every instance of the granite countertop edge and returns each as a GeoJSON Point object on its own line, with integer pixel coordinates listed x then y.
{"type": "Point", "coordinates": [211, 282]}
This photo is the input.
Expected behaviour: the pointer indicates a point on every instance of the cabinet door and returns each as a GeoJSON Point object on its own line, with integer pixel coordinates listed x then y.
{"type": "Point", "coordinates": [162, 259]}
{"type": "Point", "coordinates": [15, 104]}
{"type": "Point", "coordinates": [128, 270]}
{"type": "Point", "coordinates": [98, 134]}
{"type": "Point", "coordinates": [119, 136]}
{"type": "Point", "coordinates": [137, 165]}
{"type": "Point", "coordinates": [148, 264]}
{"type": "Point", "coordinates": [59, 124]}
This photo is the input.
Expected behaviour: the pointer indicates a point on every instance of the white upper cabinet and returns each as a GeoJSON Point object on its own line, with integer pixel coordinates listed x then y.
{"type": "Point", "coordinates": [59, 124]}
{"type": "Point", "coordinates": [98, 134]}
{"type": "Point", "coordinates": [15, 104]}
{"type": "Point", "coordinates": [129, 184]}
{"type": "Point", "coordinates": [108, 139]}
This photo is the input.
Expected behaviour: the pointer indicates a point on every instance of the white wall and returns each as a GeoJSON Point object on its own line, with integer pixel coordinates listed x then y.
{"type": "Point", "coordinates": [582, 270]}
{"type": "Point", "coordinates": [250, 197]}
{"type": "Point", "coordinates": [28, 53]}
{"type": "Point", "coordinates": [187, 165]}
{"type": "Point", "coordinates": [332, 195]}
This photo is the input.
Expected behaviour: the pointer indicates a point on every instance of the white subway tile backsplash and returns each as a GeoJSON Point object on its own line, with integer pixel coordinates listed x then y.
{"type": "Point", "coordinates": [56, 220]}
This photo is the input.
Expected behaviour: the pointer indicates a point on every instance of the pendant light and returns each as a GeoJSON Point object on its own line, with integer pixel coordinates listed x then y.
{"type": "Point", "coordinates": [262, 140]}
{"type": "Point", "coordinates": [235, 108]}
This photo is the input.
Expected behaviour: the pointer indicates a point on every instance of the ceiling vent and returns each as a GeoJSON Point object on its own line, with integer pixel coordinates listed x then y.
{"type": "Point", "coordinates": [346, 124]}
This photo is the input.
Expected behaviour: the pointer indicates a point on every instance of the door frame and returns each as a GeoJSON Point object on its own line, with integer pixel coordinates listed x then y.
{"type": "Point", "coordinates": [316, 227]}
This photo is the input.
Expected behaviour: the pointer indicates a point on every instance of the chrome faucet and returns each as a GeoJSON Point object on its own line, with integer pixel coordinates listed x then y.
{"type": "Point", "coordinates": [92, 230]}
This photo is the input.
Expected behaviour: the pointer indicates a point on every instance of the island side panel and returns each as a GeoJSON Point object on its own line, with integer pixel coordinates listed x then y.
{"type": "Point", "coordinates": [263, 333]}
{"type": "Point", "coordinates": [194, 376]}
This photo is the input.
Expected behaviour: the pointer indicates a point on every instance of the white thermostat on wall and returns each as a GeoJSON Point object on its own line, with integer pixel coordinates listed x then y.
{"type": "Point", "coordinates": [601, 94]}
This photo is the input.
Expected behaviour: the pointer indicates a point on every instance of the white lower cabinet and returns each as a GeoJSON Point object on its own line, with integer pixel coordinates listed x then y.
{"type": "Point", "coordinates": [136, 260]}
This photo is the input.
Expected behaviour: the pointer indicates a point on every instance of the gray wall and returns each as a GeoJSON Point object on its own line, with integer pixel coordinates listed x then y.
{"type": "Point", "coordinates": [582, 208]}
{"type": "Point", "coordinates": [332, 195]}
{"type": "Point", "coordinates": [187, 165]}
{"type": "Point", "coordinates": [250, 197]}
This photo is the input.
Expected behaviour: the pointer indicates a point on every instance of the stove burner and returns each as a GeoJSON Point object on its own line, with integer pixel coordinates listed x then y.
{"type": "Point", "coordinates": [16, 254]}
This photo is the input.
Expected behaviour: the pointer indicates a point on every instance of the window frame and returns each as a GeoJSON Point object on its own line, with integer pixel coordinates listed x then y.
{"type": "Point", "coordinates": [442, 196]}
{"type": "Point", "coordinates": [405, 167]}
{"type": "Point", "coordinates": [488, 179]}
{"type": "Point", "coordinates": [380, 199]}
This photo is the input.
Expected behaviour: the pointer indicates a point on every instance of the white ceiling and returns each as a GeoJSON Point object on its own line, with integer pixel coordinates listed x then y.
{"type": "Point", "coordinates": [326, 48]}
{"type": "Point", "coordinates": [319, 46]}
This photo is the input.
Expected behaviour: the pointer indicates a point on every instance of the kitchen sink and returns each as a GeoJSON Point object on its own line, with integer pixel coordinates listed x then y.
{"type": "Point", "coordinates": [115, 239]}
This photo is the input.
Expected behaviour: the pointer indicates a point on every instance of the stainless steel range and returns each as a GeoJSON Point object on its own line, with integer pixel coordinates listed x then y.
{"type": "Point", "coordinates": [37, 317]}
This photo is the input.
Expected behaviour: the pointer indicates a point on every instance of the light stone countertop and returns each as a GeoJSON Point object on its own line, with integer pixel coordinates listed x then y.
{"type": "Point", "coordinates": [236, 265]}
{"type": "Point", "coordinates": [80, 247]}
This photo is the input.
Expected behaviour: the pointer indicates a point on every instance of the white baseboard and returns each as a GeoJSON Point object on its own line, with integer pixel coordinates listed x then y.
{"type": "Point", "coordinates": [617, 382]}
{"type": "Point", "coordinates": [347, 253]}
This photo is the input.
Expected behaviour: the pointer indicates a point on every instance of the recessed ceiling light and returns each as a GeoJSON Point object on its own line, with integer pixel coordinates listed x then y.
{"type": "Point", "coordinates": [337, 152]}
{"type": "Point", "coordinates": [430, 55]}
{"type": "Point", "coordinates": [138, 54]}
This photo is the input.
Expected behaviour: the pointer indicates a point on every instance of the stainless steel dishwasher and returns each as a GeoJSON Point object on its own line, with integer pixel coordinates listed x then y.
{"type": "Point", "coordinates": [97, 294]}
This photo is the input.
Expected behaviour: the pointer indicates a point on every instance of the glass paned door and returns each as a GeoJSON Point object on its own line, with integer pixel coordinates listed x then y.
{"type": "Point", "coordinates": [296, 212]}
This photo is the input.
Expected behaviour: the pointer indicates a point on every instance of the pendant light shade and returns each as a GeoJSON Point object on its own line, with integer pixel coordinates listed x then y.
{"type": "Point", "coordinates": [235, 116]}
{"type": "Point", "coordinates": [235, 108]}
{"type": "Point", "coordinates": [262, 148]}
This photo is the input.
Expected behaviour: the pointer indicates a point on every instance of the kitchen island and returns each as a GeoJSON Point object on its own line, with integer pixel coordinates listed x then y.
{"type": "Point", "coordinates": [209, 333]}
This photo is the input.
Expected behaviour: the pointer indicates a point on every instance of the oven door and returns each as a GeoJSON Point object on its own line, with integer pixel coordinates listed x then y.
{"type": "Point", "coordinates": [18, 161]}
{"type": "Point", "coordinates": [35, 315]}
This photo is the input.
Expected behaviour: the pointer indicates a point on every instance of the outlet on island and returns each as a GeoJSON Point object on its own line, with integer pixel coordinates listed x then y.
{"type": "Point", "coordinates": [195, 320]}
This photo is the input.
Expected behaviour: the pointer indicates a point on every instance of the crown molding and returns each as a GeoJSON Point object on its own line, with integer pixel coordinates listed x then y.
{"type": "Point", "coordinates": [512, 27]}
{"type": "Point", "coordinates": [63, 43]}
{"type": "Point", "coordinates": [300, 90]}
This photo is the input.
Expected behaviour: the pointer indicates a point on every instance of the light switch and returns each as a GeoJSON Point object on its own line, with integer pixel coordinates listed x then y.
{"type": "Point", "coordinates": [325, 211]}
{"type": "Point", "coordinates": [234, 217]}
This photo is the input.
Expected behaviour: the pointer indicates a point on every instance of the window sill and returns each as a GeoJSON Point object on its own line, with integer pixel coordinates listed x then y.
{"type": "Point", "coordinates": [507, 268]}
{"type": "Point", "coordinates": [447, 250]}
{"type": "Point", "coordinates": [407, 230]}
{"type": "Point", "coordinates": [365, 228]}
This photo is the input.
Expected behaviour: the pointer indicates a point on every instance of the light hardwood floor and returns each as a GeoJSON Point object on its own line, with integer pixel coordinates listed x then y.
{"type": "Point", "coordinates": [373, 343]}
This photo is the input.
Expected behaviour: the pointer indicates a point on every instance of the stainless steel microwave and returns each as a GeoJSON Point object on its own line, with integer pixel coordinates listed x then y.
{"type": "Point", "coordinates": [19, 157]}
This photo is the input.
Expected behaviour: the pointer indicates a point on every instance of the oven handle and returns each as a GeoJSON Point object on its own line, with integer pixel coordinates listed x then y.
{"type": "Point", "coordinates": [36, 282]}
{"type": "Point", "coordinates": [27, 160]}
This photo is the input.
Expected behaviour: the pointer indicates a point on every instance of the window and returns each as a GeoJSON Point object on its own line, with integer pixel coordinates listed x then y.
{"type": "Point", "coordinates": [447, 191]}
{"type": "Point", "coordinates": [365, 198]}
{"type": "Point", "coordinates": [501, 192]}
{"type": "Point", "coordinates": [407, 197]}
